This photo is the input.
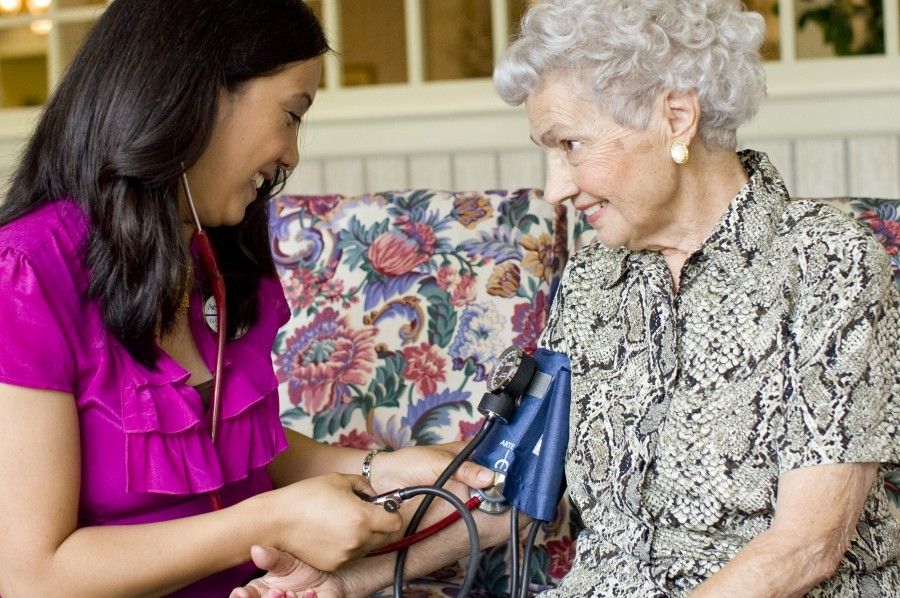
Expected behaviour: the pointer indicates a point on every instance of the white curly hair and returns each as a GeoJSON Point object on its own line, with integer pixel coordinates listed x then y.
{"type": "Point", "coordinates": [630, 51]}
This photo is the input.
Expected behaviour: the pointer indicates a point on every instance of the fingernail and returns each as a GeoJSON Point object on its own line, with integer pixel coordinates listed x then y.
{"type": "Point", "coordinates": [485, 476]}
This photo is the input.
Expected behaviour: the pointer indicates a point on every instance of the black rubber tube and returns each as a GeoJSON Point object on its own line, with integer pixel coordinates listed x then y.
{"type": "Point", "coordinates": [514, 552]}
{"type": "Point", "coordinates": [526, 560]}
{"type": "Point", "coordinates": [463, 455]}
{"type": "Point", "coordinates": [475, 545]}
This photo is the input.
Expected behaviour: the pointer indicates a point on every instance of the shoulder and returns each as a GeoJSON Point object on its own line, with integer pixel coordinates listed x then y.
{"type": "Point", "coordinates": [815, 225]}
{"type": "Point", "coordinates": [50, 238]}
{"type": "Point", "coordinates": [831, 247]}
{"type": "Point", "coordinates": [273, 310]}
{"type": "Point", "coordinates": [44, 282]}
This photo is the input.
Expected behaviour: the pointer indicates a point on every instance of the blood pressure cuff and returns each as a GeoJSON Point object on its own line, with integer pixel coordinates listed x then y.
{"type": "Point", "coordinates": [530, 450]}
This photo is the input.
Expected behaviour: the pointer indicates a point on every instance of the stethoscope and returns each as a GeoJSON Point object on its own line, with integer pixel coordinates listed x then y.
{"type": "Point", "coordinates": [217, 282]}
{"type": "Point", "coordinates": [507, 382]}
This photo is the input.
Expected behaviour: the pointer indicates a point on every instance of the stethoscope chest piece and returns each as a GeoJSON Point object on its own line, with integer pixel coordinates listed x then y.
{"type": "Point", "coordinates": [492, 499]}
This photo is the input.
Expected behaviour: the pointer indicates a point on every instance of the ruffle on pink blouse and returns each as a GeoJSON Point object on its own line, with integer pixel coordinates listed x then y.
{"type": "Point", "coordinates": [168, 447]}
{"type": "Point", "coordinates": [53, 337]}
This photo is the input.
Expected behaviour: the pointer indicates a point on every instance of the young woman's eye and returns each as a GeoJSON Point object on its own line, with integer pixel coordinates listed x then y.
{"type": "Point", "coordinates": [296, 119]}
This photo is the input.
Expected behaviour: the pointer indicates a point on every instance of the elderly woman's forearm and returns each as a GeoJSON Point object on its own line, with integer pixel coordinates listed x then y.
{"type": "Point", "coordinates": [775, 565]}
{"type": "Point", "coordinates": [364, 577]}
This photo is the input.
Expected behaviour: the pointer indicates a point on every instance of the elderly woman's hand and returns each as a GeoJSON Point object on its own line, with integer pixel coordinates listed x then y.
{"type": "Point", "coordinates": [288, 577]}
{"type": "Point", "coordinates": [421, 465]}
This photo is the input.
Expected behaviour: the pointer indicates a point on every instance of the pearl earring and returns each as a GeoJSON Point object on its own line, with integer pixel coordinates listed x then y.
{"type": "Point", "coordinates": [679, 152]}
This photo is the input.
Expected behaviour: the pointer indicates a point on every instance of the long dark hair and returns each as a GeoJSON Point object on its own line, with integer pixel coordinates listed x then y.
{"type": "Point", "coordinates": [138, 102]}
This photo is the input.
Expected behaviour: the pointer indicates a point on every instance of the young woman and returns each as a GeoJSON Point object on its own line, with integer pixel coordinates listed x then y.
{"type": "Point", "coordinates": [111, 482]}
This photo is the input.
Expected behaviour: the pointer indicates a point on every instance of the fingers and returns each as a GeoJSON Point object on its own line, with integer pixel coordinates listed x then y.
{"type": "Point", "coordinates": [276, 593]}
{"type": "Point", "coordinates": [474, 475]}
{"type": "Point", "coordinates": [380, 520]}
{"type": "Point", "coordinates": [274, 561]}
{"type": "Point", "coordinates": [376, 541]}
{"type": "Point", "coordinates": [360, 484]}
{"type": "Point", "coordinates": [243, 593]}
{"type": "Point", "coordinates": [383, 522]}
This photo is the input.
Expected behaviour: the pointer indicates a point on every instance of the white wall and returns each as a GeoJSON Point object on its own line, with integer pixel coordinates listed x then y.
{"type": "Point", "coordinates": [831, 126]}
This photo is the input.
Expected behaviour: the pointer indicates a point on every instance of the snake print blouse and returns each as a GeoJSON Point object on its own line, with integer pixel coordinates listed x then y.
{"type": "Point", "coordinates": [779, 351]}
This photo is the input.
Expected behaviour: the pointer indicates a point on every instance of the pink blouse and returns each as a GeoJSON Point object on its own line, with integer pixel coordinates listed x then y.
{"type": "Point", "coordinates": [146, 453]}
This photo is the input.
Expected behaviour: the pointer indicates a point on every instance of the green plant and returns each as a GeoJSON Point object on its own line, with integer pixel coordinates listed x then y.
{"type": "Point", "coordinates": [834, 18]}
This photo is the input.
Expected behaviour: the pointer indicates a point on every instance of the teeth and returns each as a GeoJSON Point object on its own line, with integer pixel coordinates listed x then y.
{"type": "Point", "coordinates": [596, 206]}
{"type": "Point", "coordinates": [259, 180]}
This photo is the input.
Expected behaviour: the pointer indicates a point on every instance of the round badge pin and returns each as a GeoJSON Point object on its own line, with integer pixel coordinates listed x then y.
{"type": "Point", "coordinates": [211, 314]}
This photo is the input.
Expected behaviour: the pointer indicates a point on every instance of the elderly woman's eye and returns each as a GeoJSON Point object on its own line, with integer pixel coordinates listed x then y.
{"type": "Point", "coordinates": [570, 144]}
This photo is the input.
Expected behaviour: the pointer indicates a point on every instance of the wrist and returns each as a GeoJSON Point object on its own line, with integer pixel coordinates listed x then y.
{"type": "Point", "coordinates": [265, 511]}
{"type": "Point", "coordinates": [368, 463]}
{"type": "Point", "coordinates": [359, 579]}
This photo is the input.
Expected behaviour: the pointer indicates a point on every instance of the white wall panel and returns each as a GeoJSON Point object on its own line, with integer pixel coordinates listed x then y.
{"type": "Point", "coordinates": [475, 171]}
{"type": "Point", "coordinates": [345, 176]}
{"type": "Point", "coordinates": [781, 154]}
{"type": "Point", "coordinates": [821, 168]}
{"type": "Point", "coordinates": [874, 166]}
{"type": "Point", "coordinates": [386, 174]}
{"type": "Point", "coordinates": [521, 168]}
{"type": "Point", "coordinates": [307, 179]}
{"type": "Point", "coordinates": [433, 171]}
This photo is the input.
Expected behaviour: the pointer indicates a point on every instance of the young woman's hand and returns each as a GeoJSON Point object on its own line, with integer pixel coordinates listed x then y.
{"type": "Point", "coordinates": [288, 577]}
{"type": "Point", "coordinates": [323, 522]}
{"type": "Point", "coordinates": [421, 465]}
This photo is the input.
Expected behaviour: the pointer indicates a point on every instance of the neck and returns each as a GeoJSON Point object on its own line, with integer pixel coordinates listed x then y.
{"type": "Point", "coordinates": [706, 188]}
{"type": "Point", "coordinates": [187, 232]}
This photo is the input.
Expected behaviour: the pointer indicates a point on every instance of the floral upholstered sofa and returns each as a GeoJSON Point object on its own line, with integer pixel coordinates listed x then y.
{"type": "Point", "coordinates": [401, 302]}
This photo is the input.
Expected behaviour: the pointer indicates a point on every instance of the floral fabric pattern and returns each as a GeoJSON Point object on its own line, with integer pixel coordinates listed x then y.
{"type": "Point", "coordinates": [400, 304]}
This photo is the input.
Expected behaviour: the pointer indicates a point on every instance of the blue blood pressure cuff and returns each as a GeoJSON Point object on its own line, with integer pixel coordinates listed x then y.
{"type": "Point", "coordinates": [530, 449]}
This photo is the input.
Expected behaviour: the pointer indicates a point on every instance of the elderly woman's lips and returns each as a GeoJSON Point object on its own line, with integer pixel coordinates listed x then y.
{"type": "Point", "coordinates": [595, 212]}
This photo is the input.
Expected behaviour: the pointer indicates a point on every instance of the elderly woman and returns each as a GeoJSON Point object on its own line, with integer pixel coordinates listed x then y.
{"type": "Point", "coordinates": [734, 352]}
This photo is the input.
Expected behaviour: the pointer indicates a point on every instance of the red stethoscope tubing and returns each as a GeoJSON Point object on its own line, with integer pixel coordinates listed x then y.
{"type": "Point", "coordinates": [471, 504]}
{"type": "Point", "coordinates": [208, 258]}
{"type": "Point", "coordinates": [217, 281]}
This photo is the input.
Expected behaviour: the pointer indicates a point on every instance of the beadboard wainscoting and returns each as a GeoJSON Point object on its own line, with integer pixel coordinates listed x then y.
{"type": "Point", "coordinates": [860, 166]}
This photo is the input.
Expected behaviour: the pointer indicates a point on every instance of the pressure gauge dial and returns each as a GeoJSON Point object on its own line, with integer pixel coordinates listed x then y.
{"type": "Point", "coordinates": [512, 373]}
{"type": "Point", "coordinates": [505, 369]}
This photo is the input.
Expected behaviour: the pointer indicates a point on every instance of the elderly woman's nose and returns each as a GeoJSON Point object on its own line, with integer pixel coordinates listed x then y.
{"type": "Point", "coordinates": [559, 185]}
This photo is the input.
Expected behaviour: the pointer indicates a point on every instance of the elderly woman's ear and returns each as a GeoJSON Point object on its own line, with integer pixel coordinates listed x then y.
{"type": "Point", "coordinates": [680, 111]}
